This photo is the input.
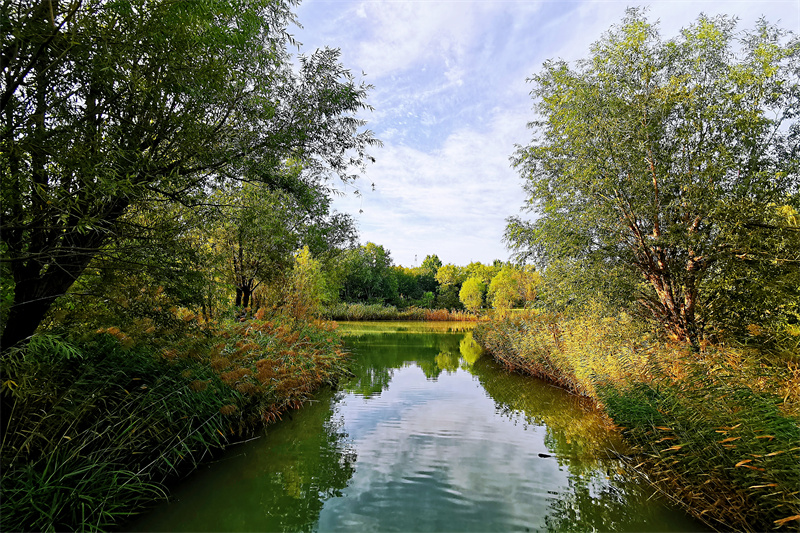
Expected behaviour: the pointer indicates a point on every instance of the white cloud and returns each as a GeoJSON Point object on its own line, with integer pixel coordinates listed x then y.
{"type": "Point", "coordinates": [451, 102]}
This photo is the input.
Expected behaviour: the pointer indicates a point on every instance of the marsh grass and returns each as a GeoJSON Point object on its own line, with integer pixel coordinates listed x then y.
{"type": "Point", "coordinates": [100, 421]}
{"type": "Point", "coordinates": [360, 311]}
{"type": "Point", "coordinates": [717, 430]}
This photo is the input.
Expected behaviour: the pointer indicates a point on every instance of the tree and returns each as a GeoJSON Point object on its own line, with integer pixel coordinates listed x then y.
{"type": "Point", "coordinates": [257, 232]}
{"type": "Point", "coordinates": [664, 159]}
{"type": "Point", "coordinates": [471, 293]}
{"type": "Point", "coordinates": [450, 277]}
{"type": "Point", "coordinates": [430, 265]}
{"type": "Point", "coordinates": [109, 105]}
{"type": "Point", "coordinates": [369, 275]}
{"type": "Point", "coordinates": [504, 289]}
{"type": "Point", "coordinates": [450, 274]}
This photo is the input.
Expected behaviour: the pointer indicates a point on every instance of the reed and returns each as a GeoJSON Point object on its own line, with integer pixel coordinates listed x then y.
{"type": "Point", "coordinates": [100, 421]}
{"type": "Point", "coordinates": [361, 311]}
{"type": "Point", "coordinates": [719, 430]}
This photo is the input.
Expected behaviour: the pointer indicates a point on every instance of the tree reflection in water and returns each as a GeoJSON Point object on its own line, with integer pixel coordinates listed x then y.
{"type": "Point", "coordinates": [434, 452]}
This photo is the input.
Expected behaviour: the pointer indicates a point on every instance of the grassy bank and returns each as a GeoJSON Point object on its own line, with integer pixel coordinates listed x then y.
{"type": "Point", "coordinates": [101, 420]}
{"type": "Point", "coordinates": [360, 311]}
{"type": "Point", "coordinates": [718, 430]}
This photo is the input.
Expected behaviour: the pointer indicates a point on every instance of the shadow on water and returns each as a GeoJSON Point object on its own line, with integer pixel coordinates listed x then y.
{"type": "Point", "coordinates": [427, 435]}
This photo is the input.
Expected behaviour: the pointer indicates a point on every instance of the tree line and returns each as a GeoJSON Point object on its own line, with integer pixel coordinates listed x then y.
{"type": "Point", "coordinates": [366, 274]}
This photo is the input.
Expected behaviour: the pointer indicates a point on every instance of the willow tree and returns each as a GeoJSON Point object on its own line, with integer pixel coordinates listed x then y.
{"type": "Point", "coordinates": [106, 105]}
{"type": "Point", "coordinates": [665, 159]}
{"type": "Point", "coordinates": [256, 232]}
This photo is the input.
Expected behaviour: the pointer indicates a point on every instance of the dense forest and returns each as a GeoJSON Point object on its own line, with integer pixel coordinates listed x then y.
{"type": "Point", "coordinates": [171, 258]}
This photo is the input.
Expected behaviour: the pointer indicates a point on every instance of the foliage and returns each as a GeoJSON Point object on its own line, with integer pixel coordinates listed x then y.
{"type": "Point", "coordinates": [430, 265]}
{"type": "Point", "coordinates": [717, 429]}
{"type": "Point", "coordinates": [471, 293]}
{"type": "Point", "coordinates": [513, 287]}
{"type": "Point", "coordinates": [100, 422]}
{"type": "Point", "coordinates": [359, 311]}
{"type": "Point", "coordinates": [667, 161]}
{"type": "Point", "coordinates": [451, 274]}
{"type": "Point", "coordinates": [109, 106]}
{"type": "Point", "coordinates": [369, 276]}
{"type": "Point", "coordinates": [256, 232]}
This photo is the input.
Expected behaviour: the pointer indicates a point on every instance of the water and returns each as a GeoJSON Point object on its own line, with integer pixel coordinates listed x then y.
{"type": "Point", "coordinates": [427, 436]}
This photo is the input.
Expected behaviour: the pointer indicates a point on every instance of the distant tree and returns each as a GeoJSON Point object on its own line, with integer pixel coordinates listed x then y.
{"type": "Point", "coordinates": [671, 161]}
{"type": "Point", "coordinates": [471, 294]}
{"type": "Point", "coordinates": [483, 272]}
{"type": "Point", "coordinates": [450, 274]}
{"type": "Point", "coordinates": [528, 283]}
{"type": "Point", "coordinates": [110, 105]}
{"type": "Point", "coordinates": [307, 289]}
{"type": "Point", "coordinates": [503, 291]}
{"type": "Point", "coordinates": [430, 265]}
{"type": "Point", "coordinates": [450, 277]}
{"type": "Point", "coordinates": [369, 276]}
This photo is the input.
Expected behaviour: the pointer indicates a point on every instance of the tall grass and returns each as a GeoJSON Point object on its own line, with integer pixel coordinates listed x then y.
{"type": "Point", "coordinates": [100, 421]}
{"type": "Point", "coordinates": [361, 311]}
{"type": "Point", "coordinates": [719, 430]}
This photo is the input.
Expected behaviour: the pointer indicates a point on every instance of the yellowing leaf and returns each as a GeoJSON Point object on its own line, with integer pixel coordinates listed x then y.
{"type": "Point", "coordinates": [742, 463]}
{"type": "Point", "coordinates": [729, 439]}
{"type": "Point", "coordinates": [787, 519]}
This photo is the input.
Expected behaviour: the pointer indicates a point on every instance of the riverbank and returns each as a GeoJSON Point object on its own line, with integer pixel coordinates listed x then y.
{"type": "Point", "coordinates": [360, 311]}
{"type": "Point", "coordinates": [718, 430]}
{"type": "Point", "coordinates": [101, 420]}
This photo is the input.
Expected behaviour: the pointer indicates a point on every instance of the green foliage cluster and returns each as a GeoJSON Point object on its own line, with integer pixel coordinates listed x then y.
{"type": "Point", "coordinates": [369, 277]}
{"type": "Point", "coordinates": [113, 110]}
{"type": "Point", "coordinates": [717, 430]}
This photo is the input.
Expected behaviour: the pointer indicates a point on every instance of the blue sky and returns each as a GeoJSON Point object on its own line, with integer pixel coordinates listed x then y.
{"type": "Point", "coordinates": [451, 102]}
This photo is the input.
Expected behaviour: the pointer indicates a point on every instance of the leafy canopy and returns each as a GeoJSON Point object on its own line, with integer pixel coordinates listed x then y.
{"type": "Point", "coordinates": [111, 105]}
{"type": "Point", "coordinates": [666, 164]}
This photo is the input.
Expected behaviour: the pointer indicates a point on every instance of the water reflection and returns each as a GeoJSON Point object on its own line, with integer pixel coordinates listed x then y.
{"type": "Point", "coordinates": [276, 483]}
{"type": "Point", "coordinates": [427, 435]}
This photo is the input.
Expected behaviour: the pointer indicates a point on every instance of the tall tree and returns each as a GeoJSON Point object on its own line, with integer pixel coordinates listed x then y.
{"type": "Point", "coordinates": [665, 158]}
{"type": "Point", "coordinates": [108, 104]}
{"type": "Point", "coordinates": [471, 293]}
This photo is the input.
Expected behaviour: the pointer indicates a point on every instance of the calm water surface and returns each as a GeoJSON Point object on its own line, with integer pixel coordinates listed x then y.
{"type": "Point", "coordinates": [426, 436]}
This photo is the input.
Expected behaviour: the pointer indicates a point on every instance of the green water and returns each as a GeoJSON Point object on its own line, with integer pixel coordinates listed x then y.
{"type": "Point", "coordinates": [426, 436]}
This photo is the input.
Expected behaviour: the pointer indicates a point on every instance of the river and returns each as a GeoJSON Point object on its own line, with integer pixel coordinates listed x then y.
{"type": "Point", "coordinates": [428, 435]}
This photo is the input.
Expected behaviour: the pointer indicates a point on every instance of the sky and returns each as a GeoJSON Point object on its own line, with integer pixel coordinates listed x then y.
{"type": "Point", "coordinates": [451, 103]}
